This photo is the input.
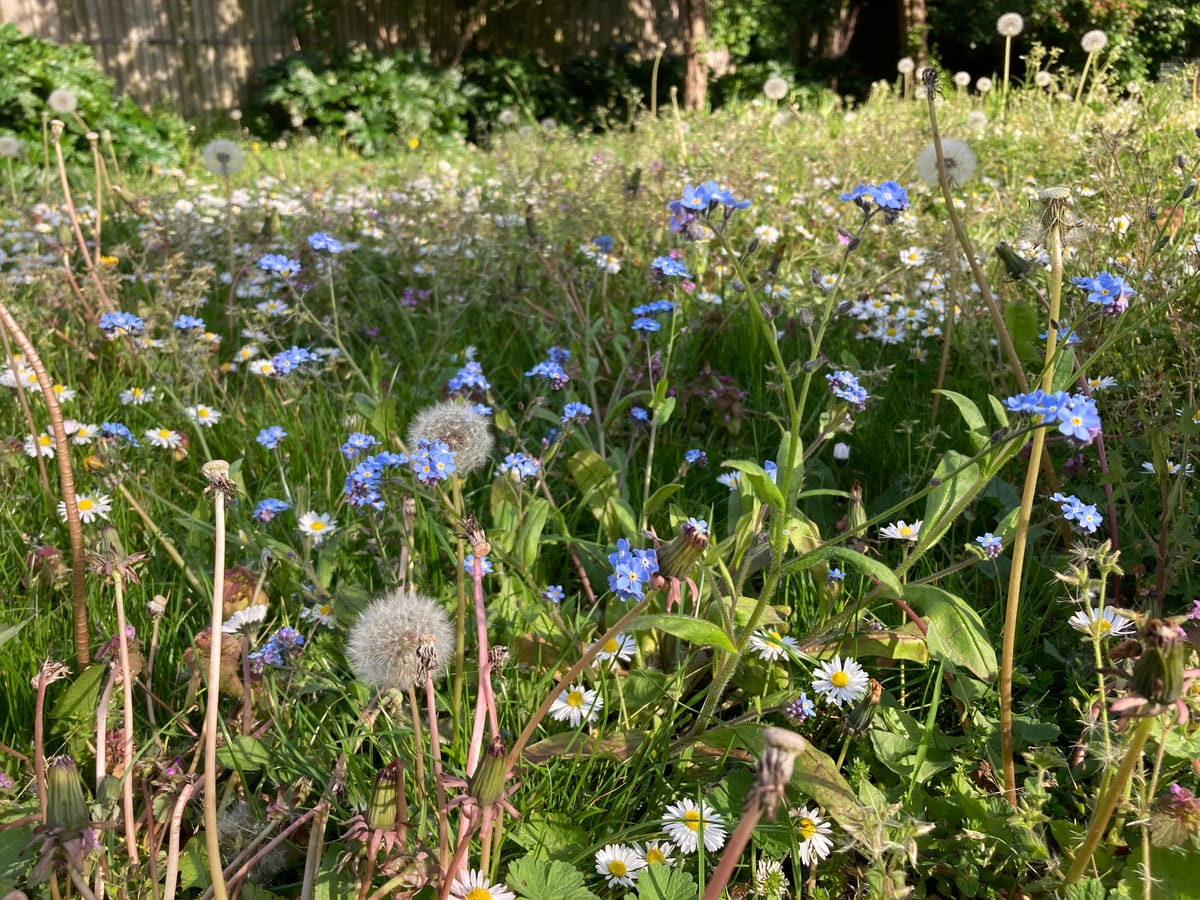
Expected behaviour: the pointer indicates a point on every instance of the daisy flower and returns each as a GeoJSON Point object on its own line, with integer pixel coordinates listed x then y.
{"type": "Point", "coordinates": [164, 438]}
{"type": "Point", "coordinates": [769, 880]}
{"type": "Point", "coordinates": [39, 444]}
{"type": "Point", "coordinates": [686, 823]}
{"type": "Point", "coordinates": [813, 832]}
{"type": "Point", "coordinates": [317, 526]}
{"type": "Point", "coordinates": [620, 648]}
{"type": "Point", "coordinates": [245, 621]}
{"type": "Point", "coordinates": [1173, 468]}
{"type": "Point", "coordinates": [840, 681]}
{"type": "Point", "coordinates": [1101, 382]}
{"type": "Point", "coordinates": [619, 864]}
{"type": "Point", "coordinates": [661, 852]}
{"type": "Point", "coordinates": [203, 415]}
{"type": "Point", "coordinates": [1104, 624]}
{"type": "Point", "coordinates": [902, 531]}
{"type": "Point", "coordinates": [576, 704]}
{"type": "Point", "coordinates": [90, 507]}
{"type": "Point", "coordinates": [770, 645]}
{"type": "Point", "coordinates": [85, 434]}
{"type": "Point", "coordinates": [474, 885]}
{"type": "Point", "coordinates": [63, 393]}
{"type": "Point", "coordinates": [136, 396]}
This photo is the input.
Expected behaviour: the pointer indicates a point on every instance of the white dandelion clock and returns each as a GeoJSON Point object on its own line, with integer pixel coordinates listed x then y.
{"type": "Point", "coordinates": [959, 161]}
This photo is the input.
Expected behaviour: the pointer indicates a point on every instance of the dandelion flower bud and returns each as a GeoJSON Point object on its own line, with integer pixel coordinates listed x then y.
{"type": "Point", "coordinates": [487, 785]}
{"type": "Point", "coordinates": [1094, 41]}
{"type": "Point", "coordinates": [858, 721]}
{"type": "Point", "coordinates": [464, 430]}
{"type": "Point", "coordinates": [1010, 25]}
{"type": "Point", "coordinates": [677, 558]}
{"type": "Point", "coordinates": [1158, 675]}
{"type": "Point", "coordinates": [65, 807]}
{"type": "Point", "coordinates": [383, 809]}
{"type": "Point", "coordinates": [398, 638]}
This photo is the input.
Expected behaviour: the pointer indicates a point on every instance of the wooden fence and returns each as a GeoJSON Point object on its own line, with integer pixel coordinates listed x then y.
{"type": "Point", "coordinates": [198, 56]}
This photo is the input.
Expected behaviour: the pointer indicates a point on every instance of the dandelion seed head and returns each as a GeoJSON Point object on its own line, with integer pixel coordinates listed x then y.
{"type": "Point", "coordinates": [385, 643]}
{"type": "Point", "coordinates": [460, 427]}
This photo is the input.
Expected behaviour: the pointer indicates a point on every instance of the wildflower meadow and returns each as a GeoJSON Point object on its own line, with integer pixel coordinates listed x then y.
{"type": "Point", "coordinates": [795, 500]}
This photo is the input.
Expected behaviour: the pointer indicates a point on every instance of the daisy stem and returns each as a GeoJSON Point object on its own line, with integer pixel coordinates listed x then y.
{"type": "Point", "coordinates": [1108, 801]}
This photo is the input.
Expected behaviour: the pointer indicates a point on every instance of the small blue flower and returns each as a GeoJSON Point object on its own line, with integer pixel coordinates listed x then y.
{"type": "Point", "coordinates": [114, 324]}
{"type": "Point", "coordinates": [279, 264]}
{"type": "Point", "coordinates": [697, 526]}
{"type": "Point", "coordinates": [271, 437]}
{"type": "Point", "coordinates": [835, 575]}
{"type": "Point", "coordinates": [639, 414]}
{"type": "Point", "coordinates": [575, 412]}
{"type": "Point", "coordinates": [695, 457]}
{"type": "Point", "coordinates": [991, 544]}
{"type": "Point", "coordinates": [433, 462]}
{"type": "Point", "coordinates": [554, 593]}
{"type": "Point", "coordinates": [319, 240]}
{"type": "Point", "coordinates": [469, 377]}
{"type": "Point", "coordinates": [645, 326]}
{"type": "Point", "coordinates": [518, 467]}
{"type": "Point", "coordinates": [603, 243]}
{"type": "Point", "coordinates": [469, 564]}
{"type": "Point", "coordinates": [118, 432]}
{"type": "Point", "coordinates": [268, 509]}
{"type": "Point", "coordinates": [550, 371]}
{"type": "Point", "coordinates": [666, 267]}
{"type": "Point", "coordinates": [290, 360]}
{"type": "Point", "coordinates": [1107, 290]}
{"type": "Point", "coordinates": [558, 355]}
{"type": "Point", "coordinates": [845, 386]}
{"type": "Point", "coordinates": [772, 470]}
{"type": "Point", "coordinates": [188, 323]}
{"type": "Point", "coordinates": [801, 708]}
{"type": "Point", "coordinates": [357, 443]}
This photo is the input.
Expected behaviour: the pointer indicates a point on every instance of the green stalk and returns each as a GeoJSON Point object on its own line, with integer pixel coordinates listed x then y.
{"type": "Point", "coordinates": [1054, 200]}
{"type": "Point", "coordinates": [1108, 803]}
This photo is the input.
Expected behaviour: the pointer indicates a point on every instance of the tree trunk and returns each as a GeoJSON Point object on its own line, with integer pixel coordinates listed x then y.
{"type": "Point", "coordinates": [914, 32]}
{"type": "Point", "coordinates": [695, 38]}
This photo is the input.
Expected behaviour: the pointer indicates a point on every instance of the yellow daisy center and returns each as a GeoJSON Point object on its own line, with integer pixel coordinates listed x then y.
{"type": "Point", "coordinates": [806, 827]}
{"type": "Point", "coordinates": [1103, 624]}
{"type": "Point", "coordinates": [654, 855]}
{"type": "Point", "coordinates": [575, 699]}
{"type": "Point", "coordinates": [616, 867]}
{"type": "Point", "coordinates": [691, 819]}
{"type": "Point", "coordinates": [905, 531]}
{"type": "Point", "coordinates": [839, 679]}
{"type": "Point", "coordinates": [318, 525]}
{"type": "Point", "coordinates": [611, 645]}
{"type": "Point", "coordinates": [44, 440]}
{"type": "Point", "coordinates": [84, 504]}
{"type": "Point", "coordinates": [479, 893]}
{"type": "Point", "coordinates": [164, 433]}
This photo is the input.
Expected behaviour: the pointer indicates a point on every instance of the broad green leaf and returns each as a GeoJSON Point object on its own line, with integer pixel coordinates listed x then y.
{"type": "Point", "coordinates": [803, 534]}
{"type": "Point", "coordinates": [659, 882]}
{"type": "Point", "coordinates": [1091, 889]}
{"type": "Point", "coordinates": [531, 530]}
{"type": "Point", "coordinates": [905, 642]}
{"type": "Point", "coordinates": [696, 631]}
{"type": "Point", "coordinates": [998, 411]}
{"type": "Point", "coordinates": [956, 633]}
{"type": "Point", "coordinates": [872, 568]}
{"type": "Point", "coordinates": [956, 479]}
{"type": "Point", "coordinates": [78, 702]}
{"type": "Point", "coordinates": [618, 518]}
{"type": "Point", "coordinates": [971, 416]}
{"type": "Point", "coordinates": [540, 879]}
{"type": "Point", "coordinates": [756, 476]}
{"type": "Point", "coordinates": [596, 479]}
{"type": "Point", "coordinates": [660, 497]}
{"type": "Point", "coordinates": [554, 835]}
{"type": "Point", "coordinates": [1022, 321]}
{"type": "Point", "coordinates": [662, 413]}
{"type": "Point", "coordinates": [245, 754]}
{"type": "Point", "coordinates": [569, 744]}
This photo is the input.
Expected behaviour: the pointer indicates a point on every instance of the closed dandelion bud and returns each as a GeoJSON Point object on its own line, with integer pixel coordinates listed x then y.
{"type": "Point", "coordinates": [1158, 675]}
{"type": "Point", "coordinates": [856, 517]}
{"type": "Point", "coordinates": [677, 558]}
{"type": "Point", "coordinates": [384, 809]}
{"type": "Point", "coordinates": [65, 807]}
{"type": "Point", "coordinates": [1015, 265]}
{"type": "Point", "coordinates": [858, 721]}
{"type": "Point", "coordinates": [780, 748]}
{"type": "Point", "coordinates": [487, 785]}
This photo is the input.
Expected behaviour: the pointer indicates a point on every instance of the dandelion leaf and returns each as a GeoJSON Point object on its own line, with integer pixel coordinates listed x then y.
{"type": "Point", "coordinates": [1022, 321]}
{"type": "Point", "coordinates": [695, 631]}
{"type": "Point", "coordinates": [659, 882]}
{"type": "Point", "coordinates": [245, 754]}
{"type": "Point", "coordinates": [956, 632]}
{"type": "Point", "coordinates": [541, 879]}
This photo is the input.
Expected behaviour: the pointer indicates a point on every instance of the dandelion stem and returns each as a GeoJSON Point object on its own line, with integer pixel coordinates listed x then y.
{"type": "Point", "coordinates": [212, 704]}
{"type": "Point", "coordinates": [126, 721]}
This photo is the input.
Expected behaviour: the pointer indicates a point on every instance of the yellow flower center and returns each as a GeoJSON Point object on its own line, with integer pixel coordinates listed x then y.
{"type": "Point", "coordinates": [839, 679]}
{"type": "Point", "coordinates": [1103, 624]}
{"type": "Point", "coordinates": [905, 531]}
{"type": "Point", "coordinates": [164, 433]}
{"type": "Point", "coordinates": [575, 699]}
{"type": "Point", "coordinates": [44, 440]}
{"type": "Point", "coordinates": [616, 867]}
{"type": "Point", "coordinates": [654, 855]}
{"type": "Point", "coordinates": [479, 893]}
{"type": "Point", "coordinates": [807, 828]}
{"type": "Point", "coordinates": [691, 819]}
{"type": "Point", "coordinates": [611, 645]}
{"type": "Point", "coordinates": [84, 504]}
{"type": "Point", "coordinates": [318, 525]}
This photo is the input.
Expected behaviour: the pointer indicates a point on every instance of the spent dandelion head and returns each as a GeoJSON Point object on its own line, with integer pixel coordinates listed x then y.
{"type": "Point", "coordinates": [63, 101]}
{"type": "Point", "coordinates": [460, 427]}
{"type": "Point", "coordinates": [398, 638]}
{"type": "Point", "coordinates": [1010, 25]}
{"type": "Point", "coordinates": [1094, 41]}
{"type": "Point", "coordinates": [10, 146]}
{"type": "Point", "coordinates": [959, 163]}
{"type": "Point", "coordinates": [775, 88]}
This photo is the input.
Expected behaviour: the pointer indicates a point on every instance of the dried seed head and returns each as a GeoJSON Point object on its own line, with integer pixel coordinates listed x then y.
{"type": "Point", "coordinates": [398, 638]}
{"type": "Point", "coordinates": [460, 427]}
